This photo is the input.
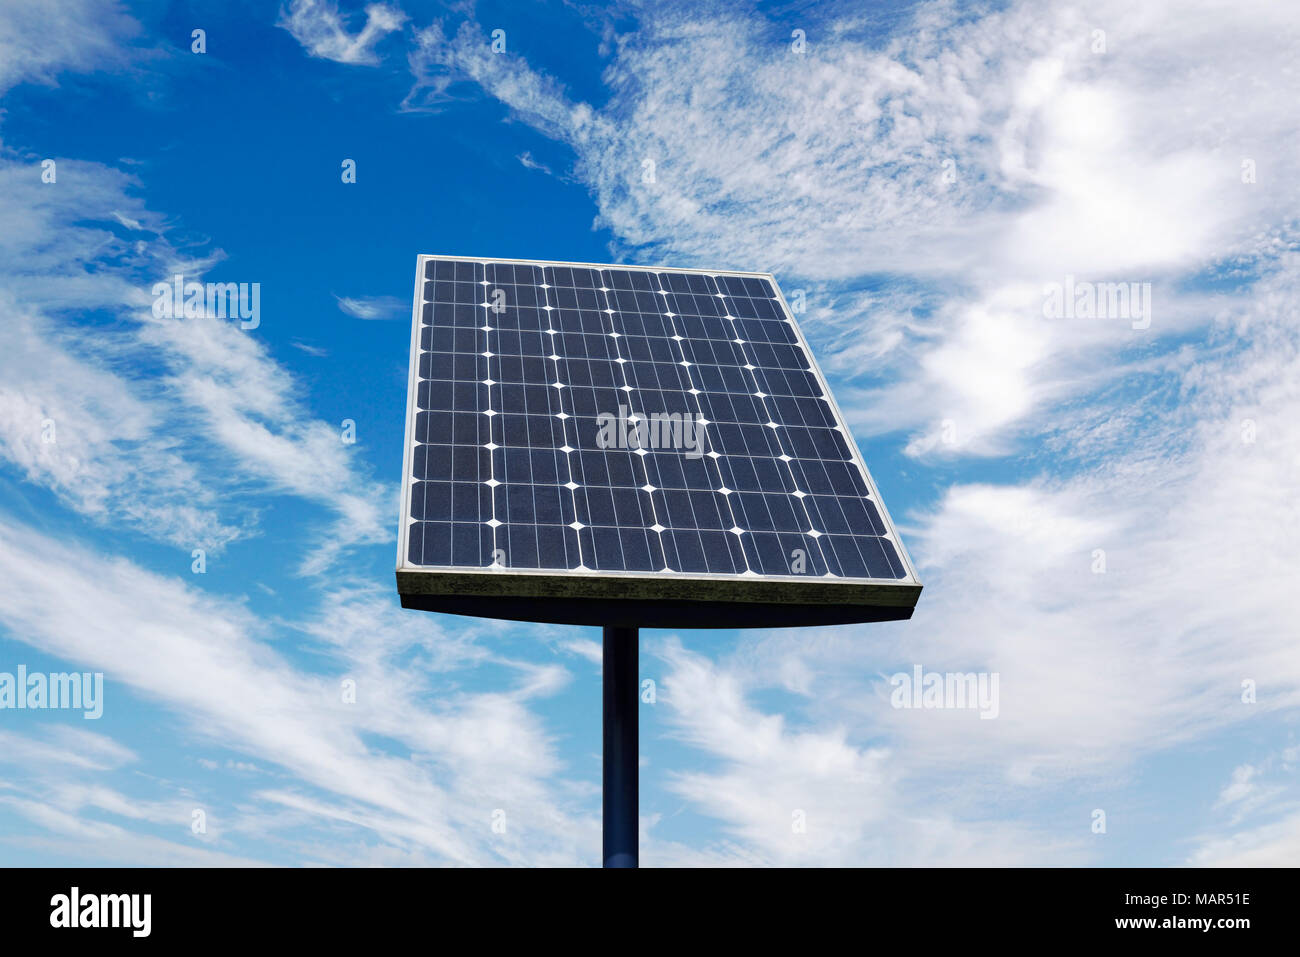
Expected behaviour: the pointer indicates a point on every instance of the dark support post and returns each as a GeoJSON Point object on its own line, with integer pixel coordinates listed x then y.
{"type": "Point", "coordinates": [621, 747]}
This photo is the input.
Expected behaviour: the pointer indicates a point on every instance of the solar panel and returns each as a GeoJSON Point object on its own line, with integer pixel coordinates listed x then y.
{"type": "Point", "coordinates": [585, 434]}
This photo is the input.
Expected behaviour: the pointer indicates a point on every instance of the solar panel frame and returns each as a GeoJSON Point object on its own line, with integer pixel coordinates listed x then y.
{"type": "Point", "coordinates": [480, 589]}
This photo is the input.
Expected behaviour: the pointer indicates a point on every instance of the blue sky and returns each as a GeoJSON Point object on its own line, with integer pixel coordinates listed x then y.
{"type": "Point", "coordinates": [1104, 512]}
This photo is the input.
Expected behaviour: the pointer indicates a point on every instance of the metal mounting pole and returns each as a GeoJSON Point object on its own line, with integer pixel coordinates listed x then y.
{"type": "Point", "coordinates": [621, 747]}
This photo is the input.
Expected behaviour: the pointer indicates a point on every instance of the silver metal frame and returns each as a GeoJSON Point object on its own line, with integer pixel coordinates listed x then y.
{"type": "Point", "coordinates": [911, 583]}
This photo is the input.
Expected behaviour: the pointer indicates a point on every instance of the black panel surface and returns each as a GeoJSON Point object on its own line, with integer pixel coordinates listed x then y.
{"type": "Point", "coordinates": [613, 420]}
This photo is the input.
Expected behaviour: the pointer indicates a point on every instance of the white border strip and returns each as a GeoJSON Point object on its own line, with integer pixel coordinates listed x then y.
{"type": "Point", "coordinates": [412, 402]}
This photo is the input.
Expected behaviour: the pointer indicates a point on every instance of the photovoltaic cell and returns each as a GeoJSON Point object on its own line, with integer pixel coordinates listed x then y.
{"type": "Point", "coordinates": [612, 419]}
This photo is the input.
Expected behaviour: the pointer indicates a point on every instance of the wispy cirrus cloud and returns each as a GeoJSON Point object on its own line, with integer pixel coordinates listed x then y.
{"type": "Point", "coordinates": [374, 307]}
{"type": "Point", "coordinates": [38, 40]}
{"type": "Point", "coordinates": [123, 445]}
{"type": "Point", "coordinates": [1263, 828]}
{"type": "Point", "coordinates": [452, 765]}
{"type": "Point", "coordinates": [321, 29]}
{"type": "Point", "coordinates": [792, 795]}
{"type": "Point", "coordinates": [1274, 844]}
{"type": "Point", "coordinates": [71, 418]}
{"type": "Point", "coordinates": [236, 394]}
{"type": "Point", "coordinates": [526, 160]}
{"type": "Point", "coordinates": [70, 747]}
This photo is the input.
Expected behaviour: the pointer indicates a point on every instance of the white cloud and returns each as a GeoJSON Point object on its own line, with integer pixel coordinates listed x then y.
{"type": "Point", "coordinates": [526, 160]}
{"type": "Point", "coordinates": [452, 764]}
{"type": "Point", "coordinates": [790, 796]}
{"type": "Point", "coordinates": [56, 783]}
{"type": "Point", "coordinates": [1276, 844]}
{"type": "Point", "coordinates": [321, 29]}
{"type": "Point", "coordinates": [72, 747]}
{"type": "Point", "coordinates": [41, 38]}
{"type": "Point", "coordinates": [76, 427]}
{"type": "Point", "coordinates": [70, 418]}
{"type": "Point", "coordinates": [131, 447]}
{"type": "Point", "coordinates": [315, 352]}
{"type": "Point", "coordinates": [249, 405]}
{"type": "Point", "coordinates": [1263, 828]}
{"type": "Point", "coordinates": [74, 837]}
{"type": "Point", "coordinates": [374, 307]}
{"type": "Point", "coordinates": [585, 648]}
{"type": "Point", "coordinates": [1241, 786]}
